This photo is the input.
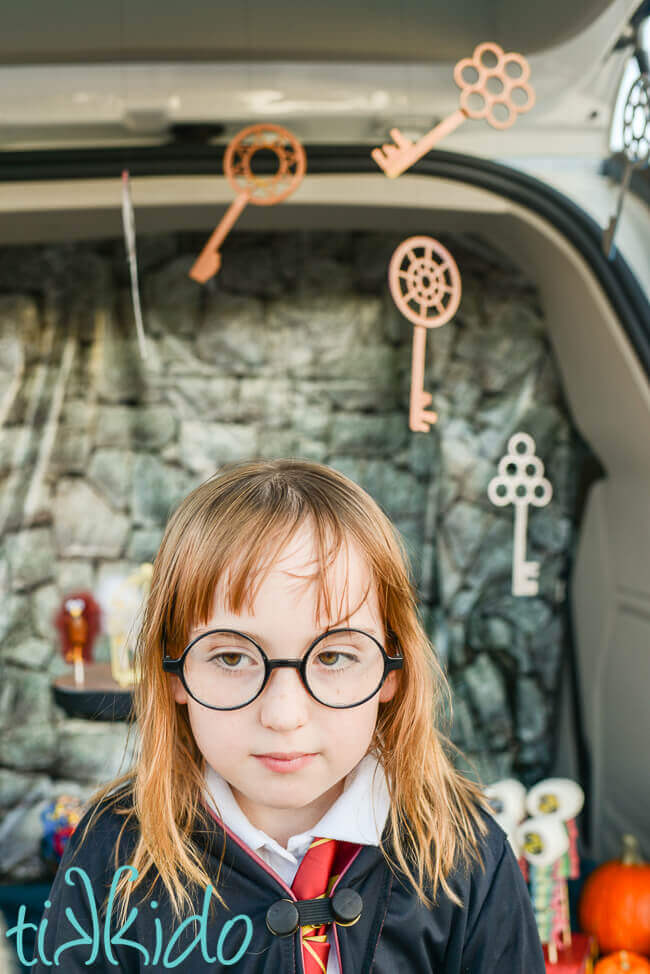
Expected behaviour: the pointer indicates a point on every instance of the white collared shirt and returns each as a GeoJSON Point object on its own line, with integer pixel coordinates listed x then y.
{"type": "Point", "coordinates": [358, 815]}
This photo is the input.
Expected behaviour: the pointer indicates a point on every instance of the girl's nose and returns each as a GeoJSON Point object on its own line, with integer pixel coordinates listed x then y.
{"type": "Point", "coordinates": [284, 701]}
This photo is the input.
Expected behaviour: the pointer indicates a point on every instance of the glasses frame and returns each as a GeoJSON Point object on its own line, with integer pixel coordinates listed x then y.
{"type": "Point", "coordinates": [176, 666]}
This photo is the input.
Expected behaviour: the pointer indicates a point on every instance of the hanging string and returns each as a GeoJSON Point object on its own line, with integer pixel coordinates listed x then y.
{"type": "Point", "coordinates": [128, 216]}
{"type": "Point", "coordinates": [128, 221]}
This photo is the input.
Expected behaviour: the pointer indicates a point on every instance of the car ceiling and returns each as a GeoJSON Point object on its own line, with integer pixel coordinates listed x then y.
{"type": "Point", "coordinates": [72, 31]}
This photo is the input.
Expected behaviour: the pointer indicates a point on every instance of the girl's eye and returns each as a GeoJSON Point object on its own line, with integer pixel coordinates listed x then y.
{"type": "Point", "coordinates": [331, 658]}
{"type": "Point", "coordinates": [231, 660]}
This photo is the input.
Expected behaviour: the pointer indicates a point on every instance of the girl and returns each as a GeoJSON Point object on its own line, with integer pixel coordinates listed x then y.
{"type": "Point", "coordinates": [292, 806]}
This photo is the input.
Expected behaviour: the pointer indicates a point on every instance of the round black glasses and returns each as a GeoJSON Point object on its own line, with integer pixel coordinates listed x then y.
{"type": "Point", "coordinates": [224, 669]}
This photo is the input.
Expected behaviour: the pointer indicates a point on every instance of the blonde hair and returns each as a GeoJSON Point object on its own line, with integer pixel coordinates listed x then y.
{"type": "Point", "coordinates": [227, 525]}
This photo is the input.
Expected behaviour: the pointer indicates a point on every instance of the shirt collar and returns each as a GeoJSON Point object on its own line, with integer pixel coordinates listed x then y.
{"type": "Point", "coordinates": [358, 815]}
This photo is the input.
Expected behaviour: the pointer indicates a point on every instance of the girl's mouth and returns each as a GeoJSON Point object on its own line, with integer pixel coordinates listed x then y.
{"type": "Point", "coordinates": [284, 762]}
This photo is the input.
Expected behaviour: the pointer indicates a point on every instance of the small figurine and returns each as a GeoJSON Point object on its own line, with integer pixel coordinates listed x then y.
{"type": "Point", "coordinates": [78, 622]}
{"type": "Point", "coordinates": [544, 841]}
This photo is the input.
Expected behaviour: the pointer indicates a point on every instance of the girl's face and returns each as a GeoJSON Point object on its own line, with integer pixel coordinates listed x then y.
{"type": "Point", "coordinates": [285, 719]}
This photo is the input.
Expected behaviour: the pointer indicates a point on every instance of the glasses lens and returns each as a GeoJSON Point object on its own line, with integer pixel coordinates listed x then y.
{"type": "Point", "coordinates": [345, 668]}
{"type": "Point", "coordinates": [224, 669]}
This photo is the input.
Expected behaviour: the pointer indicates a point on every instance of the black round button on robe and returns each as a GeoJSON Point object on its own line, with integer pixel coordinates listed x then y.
{"type": "Point", "coordinates": [282, 918]}
{"type": "Point", "coordinates": [346, 907]}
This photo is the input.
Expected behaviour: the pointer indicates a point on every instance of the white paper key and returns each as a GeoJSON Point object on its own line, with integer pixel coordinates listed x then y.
{"type": "Point", "coordinates": [521, 482]}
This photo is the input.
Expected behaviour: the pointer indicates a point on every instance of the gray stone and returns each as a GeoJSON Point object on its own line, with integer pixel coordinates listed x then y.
{"type": "Point", "coordinates": [440, 342]}
{"type": "Point", "coordinates": [547, 649]}
{"type": "Point", "coordinates": [29, 694]}
{"type": "Point", "coordinates": [323, 274]}
{"type": "Point", "coordinates": [411, 531]}
{"type": "Point", "coordinates": [85, 525]}
{"type": "Point", "coordinates": [16, 620]}
{"type": "Point", "coordinates": [465, 527]}
{"type": "Point", "coordinates": [18, 448]}
{"type": "Point", "coordinates": [312, 421]}
{"type": "Point", "coordinates": [544, 423]}
{"type": "Point", "coordinates": [45, 604]}
{"type": "Point", "coordinates": [448, 574]}
{"type": "Point", "coordinates": [111, 472]}
{"type": "Point", "coordinates": [529, 614]}
{"type": "Point", "coordinates": [547, 530]}
{"type": "Point", "coordinates": [157, 489]}
{"type": "Point", "coordinates": [31, 652]}
{"type": "Point", "coordinates": [143, 544]}
{"type": "Point", "coordinates": [399, 493]}
{"type": "Point", "coordinates": [278, 443]}
{"type": "Point", "coordinates": [74, 575]}
{"type": "Point", "coordinates": [198, 397]}
{"type": "Point", "coordinates": [146, 428]}
{"type": "Point", "coordinates": [204, 447]}
{"type": "Point", "coordinates": [504, 411]}
{"type": "Point", "coordinates": [463, 732]}
{"type": "Point", "coordinates": [327, 337]}
{"type": "Point", "coordinates": [123, 376]}
{"type": "Point", "coordinates": [421, 455]}
{"type": "Point", "coordinates": [172, 299]}
{"type": "Point", "coordinates": [440, 635]}
{"type": "Point", "coordinates": [250, 269]}
{"type": "Point", "coordinates": [233, 335]}
{"type": "Point", "coordinates": [492, 444]}
{"type": "Point", "coordinates": [493, 560]}
{"type": "Point", "coordinates": [31, 557]}
{"type": "Point", "coordinates": [486, 691]}
{"type": "Point", "coordinates": [475, 483]}
{"type": "Point", "coordinates": [270, 401]}
{"type": "Point", "coordinates": [72, 442]}
{"type": "Point", "coordinates": [464, 389]}
{"type": "Point", "coordinates": [447, 495]}
{"type": "Point", "coordinates": [360, 392]}
{"type": "Point", "coordinates": [372, 254]}
{"type": "Point", "coordinates": [20, 834]}
{"type": "Point", "coordinates": [361, 434]}
{"type": "Point", "coordinates": [508, 347]}
{"type": "Point", "coordinates": [15, 787]}
{"type": "Point", "coordinates": [93, 751]}
{"type": "Point", "coordinates": [311, 450]}
{"type": "Point", "coordinates": [458, 448]}
{"type": "Point", "coordinates": [175, 357]}
{"type": "Point", "coordinates": [531, 710]}
{"type": "Point", "coordinates": [20, 337]}
{"type": "Point", "coordinates": [31, 747]}
{"type": "Point", "coordinates": [462, 603]}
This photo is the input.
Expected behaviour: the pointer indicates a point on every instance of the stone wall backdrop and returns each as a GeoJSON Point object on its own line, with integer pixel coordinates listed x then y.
{"type": "Point", "coordinates": [295, 349]}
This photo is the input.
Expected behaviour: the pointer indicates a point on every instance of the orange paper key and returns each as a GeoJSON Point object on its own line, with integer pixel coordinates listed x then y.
{"type": "Point", "coordinates": [251, 187]}
{"type": "Point", "coordinates": [498, 93]}
{"type": "Point", "coordinates": [425, 284]}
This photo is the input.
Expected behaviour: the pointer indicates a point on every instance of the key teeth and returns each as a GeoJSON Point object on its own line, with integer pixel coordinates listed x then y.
{"type": "Point", "coordinates": [379, 158]}
{"type": "Point", "coordinates": [385, 164]}
{"type": "Point", "coordinates": [525, 587]}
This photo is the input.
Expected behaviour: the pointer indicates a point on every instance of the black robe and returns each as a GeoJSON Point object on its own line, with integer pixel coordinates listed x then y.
{"type": "Point", "coordinates": [493, 932]}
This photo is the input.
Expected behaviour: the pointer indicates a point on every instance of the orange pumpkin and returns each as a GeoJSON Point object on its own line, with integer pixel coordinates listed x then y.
{"type": "Point", "coordinates": [615, 902]}
{"type": "Point", "coordinates": [623, 961]}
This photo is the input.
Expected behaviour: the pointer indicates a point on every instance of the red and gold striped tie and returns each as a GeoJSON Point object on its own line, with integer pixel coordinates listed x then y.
{"type": "Point", "coordinates": [314, 879]}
